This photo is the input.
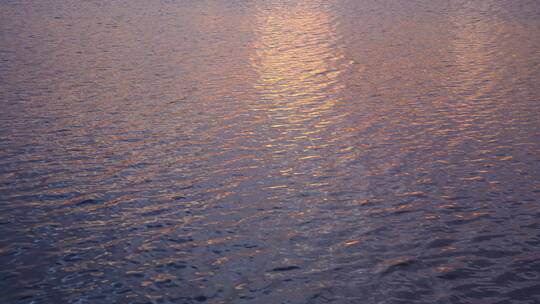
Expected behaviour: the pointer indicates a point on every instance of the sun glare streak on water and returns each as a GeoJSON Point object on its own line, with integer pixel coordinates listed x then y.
{"type": "Point", "coordinates": [299, 61]}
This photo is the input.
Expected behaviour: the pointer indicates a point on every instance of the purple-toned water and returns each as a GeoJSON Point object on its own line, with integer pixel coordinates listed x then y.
{"type": "Point", "coordinates": [270, 151]}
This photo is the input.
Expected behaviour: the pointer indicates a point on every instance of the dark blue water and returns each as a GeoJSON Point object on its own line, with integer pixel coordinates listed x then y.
{"type": "Point", "coordinates": [270, 151]}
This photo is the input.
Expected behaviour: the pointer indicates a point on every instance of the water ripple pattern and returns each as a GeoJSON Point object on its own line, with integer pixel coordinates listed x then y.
{"type": "Point", "coordinates": [270, 151]}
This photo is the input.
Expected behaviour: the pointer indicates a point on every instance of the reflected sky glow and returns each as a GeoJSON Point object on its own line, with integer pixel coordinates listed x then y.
{"type": "Point", "coordinates": [299, 61]}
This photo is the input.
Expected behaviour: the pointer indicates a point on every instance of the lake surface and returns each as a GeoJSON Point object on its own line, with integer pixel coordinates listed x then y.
{"type": "Point", "coordinates": [270, 151]}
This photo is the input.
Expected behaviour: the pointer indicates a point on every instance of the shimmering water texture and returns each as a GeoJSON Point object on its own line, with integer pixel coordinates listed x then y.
{"type": "Point", "coordinates": [270, 151]}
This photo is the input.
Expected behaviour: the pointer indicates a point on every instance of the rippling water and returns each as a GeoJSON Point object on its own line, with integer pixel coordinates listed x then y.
{"type": "Point", "coordinates": [270, 151]}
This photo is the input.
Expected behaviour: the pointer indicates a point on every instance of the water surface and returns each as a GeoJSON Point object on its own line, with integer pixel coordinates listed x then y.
{"type": "Point", "coordinates": [270, 151]}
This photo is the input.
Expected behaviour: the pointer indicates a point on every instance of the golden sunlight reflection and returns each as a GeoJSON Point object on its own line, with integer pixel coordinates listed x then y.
{"type": "Point", "coordinates": [298, 61]}
{"type": "Point", "coordinates": [474, 53]}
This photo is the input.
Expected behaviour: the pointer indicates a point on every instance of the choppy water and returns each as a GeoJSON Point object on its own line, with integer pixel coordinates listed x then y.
{"type": "Point", "coordinates": [270, 151]}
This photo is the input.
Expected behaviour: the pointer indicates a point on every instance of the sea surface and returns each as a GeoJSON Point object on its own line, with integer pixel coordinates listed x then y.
{"type": "Point", "coordinates": [270, 151]}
